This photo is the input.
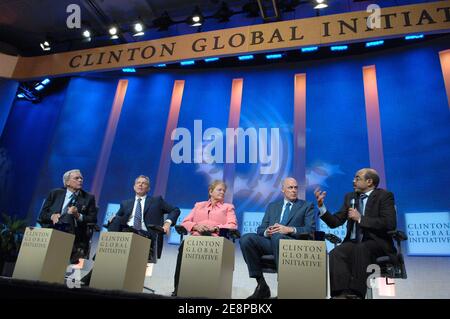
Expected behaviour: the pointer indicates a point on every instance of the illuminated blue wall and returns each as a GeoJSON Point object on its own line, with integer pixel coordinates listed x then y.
{"type": "Point", "coordinates": [67, 130]}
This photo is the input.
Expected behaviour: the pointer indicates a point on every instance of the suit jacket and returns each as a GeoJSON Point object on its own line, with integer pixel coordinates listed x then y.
{"type": "Point", "coordinates": [379, 218]}
{"type": "Point", "coordinates": [54, 204]}
{"type": "Point", "coordinates": [85, 205]}
{"type": "Point", "coordinates": [301, 217]}
{"type": "Point", "coordinates": [154, 210]}
{"type": "Point", "coordinates": [222, 215]}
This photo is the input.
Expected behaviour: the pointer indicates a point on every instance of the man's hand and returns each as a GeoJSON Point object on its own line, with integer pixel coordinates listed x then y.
{"type": "Point", "coordinates": [55, 218]}
{"type": "Point", "coordinates": [73, 210]}
{"type": "Point", "coordinates": [354, 214]}
{"type": "Point", "coordinates": [278, 228]}
{"type": "Point", "coordinates": [320, 196]}
{"type": "Point", "coordinates": [166, 228]}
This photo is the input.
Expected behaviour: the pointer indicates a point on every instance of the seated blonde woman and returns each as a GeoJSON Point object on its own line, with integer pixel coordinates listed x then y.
{"type": "Point", "coordinates": [207, 218]}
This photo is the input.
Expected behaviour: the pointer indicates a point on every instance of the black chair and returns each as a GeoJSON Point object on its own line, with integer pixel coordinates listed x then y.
{"type": "Point", "coordinates": [231, 234]}
{"type": "Point", "coordinates": [392, 266]}
{"type": "Point", "coordinates": [82, 248]}
{"type": "Point", "coordinates": [155, 248]}
{"type": "Point", "coordinates": [335, 240]}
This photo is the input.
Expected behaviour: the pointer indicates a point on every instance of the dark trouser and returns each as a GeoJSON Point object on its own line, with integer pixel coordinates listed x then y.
{"type": "Point", "coordinates": [254, 246]}
{"type": "Point", "coordinates": [176, 277]}
{"type": "Point", "coordinates": [348, 266]}
{"type": "Point", "coordinates": [67, 223]}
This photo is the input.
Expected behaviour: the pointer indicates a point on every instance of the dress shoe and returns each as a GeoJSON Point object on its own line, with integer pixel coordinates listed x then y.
{"type": "Point", "coordinates": [262, 291]}
{"type": "Point", "coordinates": [347, 294]}
{"type": "Point", "coordinates": [86, 280]}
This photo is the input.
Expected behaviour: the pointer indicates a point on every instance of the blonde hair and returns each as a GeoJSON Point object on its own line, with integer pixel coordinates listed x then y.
{"type": "Point", "coordinates": [214, 184]}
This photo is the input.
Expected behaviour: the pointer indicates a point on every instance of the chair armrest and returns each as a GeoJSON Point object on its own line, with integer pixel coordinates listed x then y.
{"type": "Point", "coordinates": [305, 236]}
{"type": "Point", "coordinates": [93, 226]}
{"type": "Point", "coordinates": [181, 230]}
{"type": "Point", "coordinates": [398, 235]}
{"type": "Point", "coordinates": [333, 239]}
{"type": "Point", "coordinates": [156, 228]}
{"type": "Point", "coordinates": [234, 234]}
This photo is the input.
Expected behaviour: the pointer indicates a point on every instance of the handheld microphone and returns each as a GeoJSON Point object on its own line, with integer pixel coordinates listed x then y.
{"type": "Point", "coordinates": [352, 203]}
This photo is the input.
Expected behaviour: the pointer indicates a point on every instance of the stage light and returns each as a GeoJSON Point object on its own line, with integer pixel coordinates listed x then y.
{"type": "Point", "coordinates": [129, 70]}
{"type": "Point", "coordinates": [309, 49]}
{"type": "Point", "coordinates": [45, 81]}
{"type": "Point", "coordinates": [207, 60]}
{"type": "Point", "coordinates": [374, 43]}
{"type": "Point", "coordinates": [289, 5]}
{"type": "Point", "coordinates": [113, 32]}
{"type": "Point", "coordinates": [320, 4]}
{"type": "Point", "coordinates": [339, 48]}
{"type": "Point", "coordinates": [86, 33]}
{"type": "Point", "coordinates": [252, 9]}
{"type": "Point", "coordinates": [224, 13]}
{"type": "Point", "coordinates": [45, 46]}
{"type": "Point", "coordinates": [188, 62]}
{"type": "Point", "coordinates": [274, 56]}
{"type": "Point", "coordinates": [163, 22]}
{"type": "Point", "coordinates": [161, 65]}
{"type": "Point", "coordinates": [20, 95]}
{"type": "Point", "coordinates": [40, 87]}
{"type": "Point", "coordinates": [414, 37]}
{"type": "Point", "coordinates": [245, 57]}
{"type": "Point", "coordinates": [196, 19]}
{"type": "Point", "coordinates": [139, 29]}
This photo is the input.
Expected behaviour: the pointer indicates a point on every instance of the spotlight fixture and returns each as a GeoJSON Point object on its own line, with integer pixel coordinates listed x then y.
{"type": "Point", "coordinates": [87, 34]}
{"type": "Point", "coordinates": [138, 29]}
{"type": "Point", "coordinates": [289, 5]}
{"type": "Point", "coordinates": [45, 46]}
{"type": "Point", "coordinates": [113, 32]}
{"type": "Point", "coordinates": [252, 9]}
{"type": "Point", "coordinates": [224, 13]}
{"type": "Point", "coordinates": [320, 4]}
{"type": "Point", "coordinates": [196, 19]}
{"type": "Point", "coordinates": [163, 22]}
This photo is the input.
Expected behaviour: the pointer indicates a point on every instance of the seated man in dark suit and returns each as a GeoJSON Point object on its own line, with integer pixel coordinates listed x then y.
{"type": "Point", "coordinates": [370, 213]}
{"type": "Point", "coordinates": [70, 209]}
{"type": "Point", "coordinates": [288, 218]}
{"type": "Point", "coordinates": [141, 211]}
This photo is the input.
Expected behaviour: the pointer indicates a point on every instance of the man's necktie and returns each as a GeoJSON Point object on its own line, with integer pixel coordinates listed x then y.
{"type": "Point", "coordinates": [359, 234]}
{"type": "Point", "coordinates": [69, 203]}
{"type": "Point", "coordinates": [287, 210]}
{"type": "Point", "coordinates": [138, 215]}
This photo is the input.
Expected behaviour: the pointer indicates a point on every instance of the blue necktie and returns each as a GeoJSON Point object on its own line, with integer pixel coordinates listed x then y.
{"type": "Point", "coordinates": [69, 203]}
{"type": "Point", "coordinates": [286, 212]}
{"type": "Point", "coordinates": [138, 215]}
{"type": "Point", "coordinates": [359, 234]}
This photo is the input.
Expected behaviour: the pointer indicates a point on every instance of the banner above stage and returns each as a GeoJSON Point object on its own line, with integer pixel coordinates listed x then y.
{"type": "Point", "coordinates": [286, 35]}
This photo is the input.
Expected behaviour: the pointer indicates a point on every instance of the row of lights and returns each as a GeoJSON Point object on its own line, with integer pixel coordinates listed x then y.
{"type": "Point", "coordinates": [272, 56]}
{"type": "Point", "coordinates": [164, 21]}
{"type": "Point", "coordinates": [31, 93]}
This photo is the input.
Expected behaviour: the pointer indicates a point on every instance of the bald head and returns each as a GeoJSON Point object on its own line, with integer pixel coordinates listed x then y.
{"type": "Point", "coordinates": [365, 180]}
{"type": "Point", "coordinates": [290, 189]}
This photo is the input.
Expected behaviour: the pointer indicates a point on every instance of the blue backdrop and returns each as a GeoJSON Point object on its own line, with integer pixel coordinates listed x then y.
{"type": "Point", "coordinates": [66, 131]}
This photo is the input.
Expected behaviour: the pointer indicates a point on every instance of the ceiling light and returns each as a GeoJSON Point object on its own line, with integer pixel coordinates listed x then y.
{"type": "Point", "coordinates": [196, 19]}
{"type": "Point", "coordinates": [321, 4]}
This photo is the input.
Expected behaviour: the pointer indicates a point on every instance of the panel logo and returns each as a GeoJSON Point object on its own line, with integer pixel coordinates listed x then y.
{"type": "Point", "coordinates": [236, 145]}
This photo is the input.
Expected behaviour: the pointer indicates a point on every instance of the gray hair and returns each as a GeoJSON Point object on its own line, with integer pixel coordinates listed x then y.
{"type": "Point", "coordinates": [144, 177]}
{"type": "Point", "coordinates": [66, 175]}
